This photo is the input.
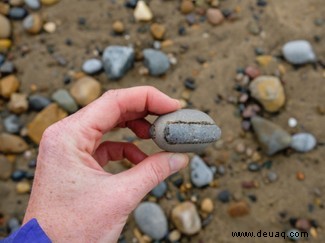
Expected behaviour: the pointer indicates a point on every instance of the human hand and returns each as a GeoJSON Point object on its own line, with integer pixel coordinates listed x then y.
{"type": "Point", "coordinates": [73, 198]}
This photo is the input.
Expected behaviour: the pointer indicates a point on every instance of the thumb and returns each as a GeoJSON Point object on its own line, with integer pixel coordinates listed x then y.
{"type": "Point", "coordinates": [142, 178]}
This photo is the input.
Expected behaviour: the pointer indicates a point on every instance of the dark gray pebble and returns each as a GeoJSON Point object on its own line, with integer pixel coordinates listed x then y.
{"type": "Point", "coordinates": [38, 102]}
{"type": "Point", "coordinates": [18, 175]}
{"type": "Point", "coordinates": [224, 196]}
{"type": "Point", "coordinates": [17, 13]}
{"type": "Point", "coordinates": [159, 190]}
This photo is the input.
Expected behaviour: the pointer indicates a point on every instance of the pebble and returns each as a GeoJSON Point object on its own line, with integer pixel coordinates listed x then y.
{"type": "Point", "coordinates": [159, 190]}
{"type": "Point", "coordinates": [17, 13]}
{"type": "Point", "coordinates": [12, 144]}
{"type": "Point", "coordinates": [186, 218]}
{"type": "Point", "coordinates": [18, 103]}
{"type": "Point", "coordinates": [201, 174]}
{"type": "Point", "coordinates": [254, 167]}
{"type": "Point", "coordinates": [214, 16]}
{"type": "Point", "coordinates": [238, 209]}
{"type": "Point", "coordinates": [63, 98]}
{"type": "Point", "coordinates": [131, 3]}
{"type": "Point", "coordinates": [300, 176]}
{"type": "Point", "coordinates": [117, 60]}
{"type": "Point", "coordinates": [207, 205]}
{"type": "Point", "coordinates": [9, 85]}
{"type": "Point", "coordinates": [23, 187]}
{"type": "Point", "coordinates": [292, 122]}
{"type": "Point", "coordinates": [33, 23]}
{"type": "Point", "coordinates": [5, 168]}
{"type": "Point", "coordinates": [13, 224]}
{"type": "Point", "coordinates": [303, 142]}
{"type": "Point", "coordinates": [7, 67]}
{"type": "Point", "coordinates": [38, 102]}
{"type": "Point", "coordinates": [2, 59]}
{"type": "Point", "coordinates": [252, 72]}
{"type": "Point", "coordinates": [5, 45]}
{"type": "Point", "coordinates": [272, 137]}
{"type": "Point", "coordinates": [49, 2]}
{"type": "Point", "coordinates": [151, 219]}
{"type": "Point", "coordinates": [269, 91]}
{"type": "Point", "coordinates": [142, 12]}
{"type": "Point", "coordinates": [158, 31]}
{"type": "Point", "coordinates": [174, 236]}
{"type": "Point", "coordinates": [190, 83]}
{"type": "Point", "coordinates": [51, 114]}
{"type": "Point", "coordinates": [92, 66]}
{"type": "Point", "coordinates": [272, 176]}
{"type": "Point", "coordinates": [224, 196]}
{"type": "Point", "coordinates": [12, 124]}
{"type": "Point", "coordinates": [156, 61]}
{"type": "Point", "coordinates": [186, 7]}
{"type": "Point", "coordinates": [118, 27]}
{"type": "Point", "coordinates": [33, 4]}
{"type": "Point", "coordinates": [49, 27]}
{"type": "Point", "coordinates": [85, 90]}
{"type": "Point", "coordinates": [303, 225]}
{"type": "Point", "coordinates": [293, 234]}
{"type": "Point", "coordinates": [5, 27]}
{"type": "Point", "coordinates": [298, 52]}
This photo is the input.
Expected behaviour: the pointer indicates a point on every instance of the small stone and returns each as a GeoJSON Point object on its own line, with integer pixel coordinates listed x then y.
{"type": "Point", "coordinates": [33, 4]}
{"type": "Point", "coordinates": [85, 90]}
{"type": "Point", "coordinates": [18, 175]}
{"type": "Point", "coordinates": [252, 72]}
{"type": "Point", "coordinates": [159, 190]}
{"type": "Point", "coordinates": [240, 148]}
{"type": "Point", "coordinates": [269, 91]}
{"type": "Point", "coordinates": [12, 124]}
{"type": "Point", "coordinates": [272, 137]}
{"type": "Point", "coordinates": [303, 225]}
{"type": "Point", "coordinates": [187, 6]}
{"type": "Point", "coordinates": [298, 52]}
{"type": "Point", "coordinates": [37, 102]}
{"type": "Point", "coordinates": [238, 209]}
{"type": "Point", "coordinates": [9, 85]}
{"type": "Point", "coordinates": [186, 219]}
{"type": "Point", "coordinates": [17, 13]}
{"type": "Point", "coordinates": [254, 167]}
{"type": "Point", "coordinates": [63, 98]}
{"type": "Point", "coordinates": [272, 176]}
{"type": "Point", "coordinates": [303, 142]}
{"type": "Point", "coordinates": [142, 12]}
{"type": "Point", "coordinates": [13, 224]}
{"type": "Point", "coordinates": [7, 67]}
{"type": "Point", "coordinates": [190, 83]}
{"type": "Point", "coordinates": [23, 187]}
{"type": "Point", "coordinates": [151, 219]}
{"type": "Point", "coordinates": [118, 60]}
{"type": "Point", "coordinates": [49, 27]}
{"type": "Point", "coordinates": [131, 3]}
{"type": "Point", "coordinates": [156, 61]}
{"type": "Point", "coordinates": [5, 168]}
{"type": "Point", "coordinates": [214, 16]}
{"type": "Point", "coordinates": [158, 31]}
{"type": "Point", "coordinates": [49, 2]}
{"type": "Point", "coordinates": [300, 176]}
{"type": "Point", "coordinates": [118, 27]}
{"type": "Point", "coordinates": [201, 174]}
{"type": "Point", "coordinates": [5, 45]}
{"type": "Point", "coordinates": [12, 144]}
{"type": "Point", "coordinates": [207, 205]}
{"type": "Point", "coordinates": [264, 60]}
{"type": "Point", "coordinates": [92, 66]}
{"type": "Point", "coordinates": [33, 23]}
{"type": "Point", "coordinates": [43, 120]}
{"type": "Point", "coordinates": [18, 103]}
{"type": "Point", "coordinates": [292, 122]}
{"type": "Point", "coordinates": [2, 59]}
{"type": "Point", "coordinates": [5, 27]}
{"type": "Point", "coordinates": [224, 196]}
{"type": "Point", "coordinates": [293, 234]}
{"type": "Point", "coordinates": [174, 236]}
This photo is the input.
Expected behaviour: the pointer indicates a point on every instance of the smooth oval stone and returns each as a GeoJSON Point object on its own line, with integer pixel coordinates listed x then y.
{"type": "Point", "coordinates": [13, 223]}
{"type": "Point", "coordinates": [33, 4]}
{"type": "Point", "coordinates": [184, 131]}
{"type": "Point", "coordinates": [156, 61]}
{"type": "Point", "coordinates": [18, 175]}
{"type": "Point", "coordinates": [17, 13]}
{"type": "Point", "coordinates": [298, 52]}
{"type": "Point", "coordinates": [151, 219]}
{"type": "Point", "coordinates": [92, 66]}
{"type": "Point", "coordinates": [12, 124]}
{"type": "Point", "coordinates": [303, 142]}
{"type": "Point", "coordinates": [5, 28]}
{"type": "Point", "coordinates": [38, 102]}
{"type": "Point", "coordinates": [201, 174]}
{"type": "Point", "coordinates": [159, 190]}
{"type": "Point", "coordinates": [65, 101]}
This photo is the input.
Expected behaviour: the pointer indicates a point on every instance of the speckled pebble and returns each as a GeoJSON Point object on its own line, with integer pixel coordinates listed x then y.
{"type": "Point", "coordinates": [201, 174]}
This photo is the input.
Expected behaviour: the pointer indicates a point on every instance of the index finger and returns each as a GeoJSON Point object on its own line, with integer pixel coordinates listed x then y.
{"type": "Point", "coordinates": [116, 106]}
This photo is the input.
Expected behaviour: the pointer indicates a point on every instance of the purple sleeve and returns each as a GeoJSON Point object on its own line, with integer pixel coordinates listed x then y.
{"type": "Point", "coordinates": [30, 232]}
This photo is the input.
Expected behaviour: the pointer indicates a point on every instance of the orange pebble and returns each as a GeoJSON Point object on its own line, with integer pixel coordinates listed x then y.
{"type": "Point", "coordinates": [300, 176]}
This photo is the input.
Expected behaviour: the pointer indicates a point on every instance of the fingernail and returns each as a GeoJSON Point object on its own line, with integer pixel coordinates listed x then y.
{"type": "Point", "coordinates": [177, 162]}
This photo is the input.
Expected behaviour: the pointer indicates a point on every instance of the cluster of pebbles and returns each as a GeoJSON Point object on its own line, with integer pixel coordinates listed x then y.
{"type": "Point", "coordinates": [260, 97]}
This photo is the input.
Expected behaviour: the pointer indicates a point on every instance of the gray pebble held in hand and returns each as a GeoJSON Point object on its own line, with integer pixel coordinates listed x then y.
{"type": "Point", "coordinates": [184, 130]}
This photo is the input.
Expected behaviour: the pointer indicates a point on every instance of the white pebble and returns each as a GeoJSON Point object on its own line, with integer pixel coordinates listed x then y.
{"type": "Point", "coordinates": [292, 122]}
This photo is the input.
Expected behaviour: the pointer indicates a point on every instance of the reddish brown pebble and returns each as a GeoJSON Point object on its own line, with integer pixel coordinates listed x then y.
{"type": "Point", "coordinates": [187, 6]}
{"type": "Point", "coordinates": [300, 176]}
{"type": "Point", "coordinates": [252, 72]}
{"type": "Point", "coordinates": [249, 184]}
{"type": "Point", "coordinates": [303, 225]}
{"type": "Point", "coordinates": [238, 209]}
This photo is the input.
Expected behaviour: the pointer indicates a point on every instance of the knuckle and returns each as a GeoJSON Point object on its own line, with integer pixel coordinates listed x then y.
{"type": "Point", "coordinates": [156, 173]}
